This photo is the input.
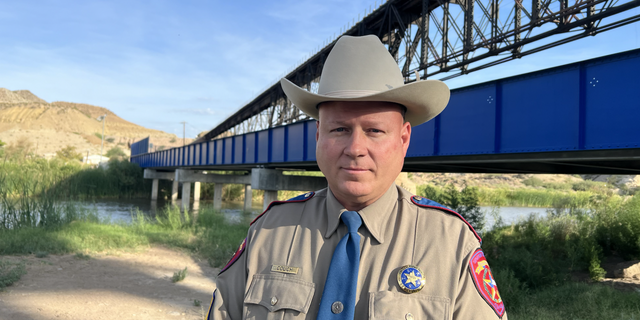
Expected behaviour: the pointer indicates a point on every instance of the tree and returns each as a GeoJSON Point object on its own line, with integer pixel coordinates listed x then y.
{"type": "Point", "coordinates": [466, 203]}
{"type": "Point", "coordinates": [116, 153]}
{"type": "Point", "coordinates": [69, 153]}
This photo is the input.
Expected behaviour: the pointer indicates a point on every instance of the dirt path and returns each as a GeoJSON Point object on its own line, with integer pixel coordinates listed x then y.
{"type": "Point", "coordinates": [122, 286]}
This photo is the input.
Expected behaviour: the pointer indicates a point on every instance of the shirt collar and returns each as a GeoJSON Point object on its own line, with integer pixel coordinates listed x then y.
{"type": "Point", "coordinates": [374, 216]}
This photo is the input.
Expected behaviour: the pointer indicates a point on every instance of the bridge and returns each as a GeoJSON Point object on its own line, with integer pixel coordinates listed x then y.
{"type": "Point", "coordinates": [578, 118]}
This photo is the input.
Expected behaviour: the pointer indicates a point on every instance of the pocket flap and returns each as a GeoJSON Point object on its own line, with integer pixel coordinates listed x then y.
{"type": "Point", "coordinates": [277, 292]}
{"type": "Point", "coordinates": [394, 305]}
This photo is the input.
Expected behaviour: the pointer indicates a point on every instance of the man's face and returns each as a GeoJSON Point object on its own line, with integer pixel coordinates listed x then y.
{"type": "Point", "coordinates": [361, 149]}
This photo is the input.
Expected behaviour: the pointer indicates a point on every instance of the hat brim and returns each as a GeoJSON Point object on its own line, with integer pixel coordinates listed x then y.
{"type": "Point", "coordinates": [424, 100]}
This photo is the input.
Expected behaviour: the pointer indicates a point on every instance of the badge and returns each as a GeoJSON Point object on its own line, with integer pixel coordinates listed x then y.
{"type": "Point", "coordinates": [486, 285]}
{"type": "Point", "coordinates": [411, 279]}
{"type": "Point", "coordinates": [284, 269]}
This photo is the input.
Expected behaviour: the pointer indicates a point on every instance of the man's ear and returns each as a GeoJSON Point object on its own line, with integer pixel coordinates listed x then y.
{"type": "Point", "coordinates": [405, 136]}
{"type": "Point", "coordinates": [317, 129]}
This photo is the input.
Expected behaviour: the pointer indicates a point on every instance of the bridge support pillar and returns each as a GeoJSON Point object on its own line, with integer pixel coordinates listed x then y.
{"type": "Point", "coordinates": [248, 197]}
{"type": "Point", "coordinates": [269, 196]}
{"type": "Point", "coordinates": [271, 180]}
{"type": "Point", "coordinates": [157, 175]}
{"type": "Point", "coordinates": [154, 189]}
{"type": "Point", "coordinates": [186, 195]}
{"type": "Point", "coordinates": [217, 196]}
{"type": "Point", "coordinates": [174, 189]}
{"type": "Point", "coordinates": [196, 191]}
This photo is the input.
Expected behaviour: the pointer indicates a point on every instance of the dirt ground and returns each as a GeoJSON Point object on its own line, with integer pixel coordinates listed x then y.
{"type": "Point", "coordinates": [116, 286]}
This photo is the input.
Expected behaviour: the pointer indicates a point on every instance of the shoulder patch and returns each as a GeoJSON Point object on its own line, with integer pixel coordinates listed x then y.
{"type": "Point", "coordinates": [428, 203]}
{"type": "Point", "coordinates": [300, 198]}
{"type": "Point", "coordinates": [235, 257]}
{"type": "Point", "coordinates": [484, 282]}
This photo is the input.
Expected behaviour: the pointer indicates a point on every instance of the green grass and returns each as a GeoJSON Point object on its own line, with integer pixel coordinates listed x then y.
{"type": "Point", "coordinates": [10, 272]}
{"type": "Point", "coordinates": [207, 235]}
{"type": "Point", "coordinates": [179, 275]}
{"type": "Point", "coordinates": [71, 180]}
{"type": "Point", "coordinates": [575, 301]}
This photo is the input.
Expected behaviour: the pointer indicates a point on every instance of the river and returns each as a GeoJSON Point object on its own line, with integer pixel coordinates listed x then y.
{"type": "Point", "coordinates": [120, 210]}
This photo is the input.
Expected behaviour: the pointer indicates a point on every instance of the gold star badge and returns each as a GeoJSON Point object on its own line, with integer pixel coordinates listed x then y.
{"type": "Point", "coordinates": [411, 279]}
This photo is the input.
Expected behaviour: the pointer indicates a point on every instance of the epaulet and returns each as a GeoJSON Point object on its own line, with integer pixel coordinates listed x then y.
{"type": "Point", "coordinates": [240, 251]}
{"type": "Point", "coordinates": [427, 203]}
{"type": "Point", "coordinates": [300, 198]}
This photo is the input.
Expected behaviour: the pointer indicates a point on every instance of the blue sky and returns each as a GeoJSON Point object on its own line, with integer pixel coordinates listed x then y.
{"type": "Point", "coordinates": [157, 63]}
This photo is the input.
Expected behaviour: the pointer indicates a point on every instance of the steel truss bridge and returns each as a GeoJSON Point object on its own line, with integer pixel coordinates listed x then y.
{"type": "Point", "coordinates": [579, 118]}
{"type": "Point", "coordinates": [443, 39]}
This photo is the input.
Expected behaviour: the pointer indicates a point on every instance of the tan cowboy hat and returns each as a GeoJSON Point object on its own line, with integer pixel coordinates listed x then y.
{"type": "Point", "coordinates": [361, 69]}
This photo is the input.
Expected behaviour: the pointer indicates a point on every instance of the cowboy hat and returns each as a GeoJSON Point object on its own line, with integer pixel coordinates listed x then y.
{"type": "Point", "coordinates": [361, 69]}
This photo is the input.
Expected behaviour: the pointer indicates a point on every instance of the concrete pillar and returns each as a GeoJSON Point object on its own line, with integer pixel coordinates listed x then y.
{"type": "Point", "coordinates": [174, 191]}
{"type": "Point", "coordinates": [217, 196]}
{"type": "Point", "coordinates": [154, 189]}
{"type": "Point", "coordinates": [186, 194]}
{"type": "Point", "coordinates": [196, 191]}
{"type": "Point", "coordinates": [269, 196]}
{"type": "Point", "coordinates": [247, 197]}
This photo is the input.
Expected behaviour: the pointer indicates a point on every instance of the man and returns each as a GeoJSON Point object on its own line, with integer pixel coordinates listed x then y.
{"type": "Point", "coordinates": [363, 248]}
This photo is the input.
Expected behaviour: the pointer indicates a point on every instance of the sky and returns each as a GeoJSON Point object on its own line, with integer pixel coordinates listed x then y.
{"type": "Point", "coordinates": [158, 63]}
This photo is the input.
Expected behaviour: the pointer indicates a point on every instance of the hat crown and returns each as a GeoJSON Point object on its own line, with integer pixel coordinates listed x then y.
{"type": "Point", "coordinates": [359, 66]}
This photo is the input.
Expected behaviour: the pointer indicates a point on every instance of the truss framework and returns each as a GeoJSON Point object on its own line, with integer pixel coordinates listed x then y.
{"type": "Point", "coordinates": [443, 38]}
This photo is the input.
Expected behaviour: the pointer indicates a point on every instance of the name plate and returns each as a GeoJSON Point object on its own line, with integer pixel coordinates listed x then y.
{"type": "Point", "coordinates": [284, 269]}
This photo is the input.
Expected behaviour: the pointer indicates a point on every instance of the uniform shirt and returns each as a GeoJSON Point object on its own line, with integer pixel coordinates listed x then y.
{"type": "Point", "coordinates": [281, 271]}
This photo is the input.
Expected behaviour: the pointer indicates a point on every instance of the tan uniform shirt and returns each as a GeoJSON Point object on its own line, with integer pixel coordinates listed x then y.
{"type": "Point", "coordinates": [297, 241]}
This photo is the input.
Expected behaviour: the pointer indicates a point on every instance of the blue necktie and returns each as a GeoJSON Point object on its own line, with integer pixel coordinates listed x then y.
{"type": "Point", "coordinates": [339, 296]}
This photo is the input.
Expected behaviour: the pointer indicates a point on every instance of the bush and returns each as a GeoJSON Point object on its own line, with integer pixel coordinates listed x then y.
{"type": "Point", "coordinates": [116, 153]}
{"type": "Point", "coordinates": [10, 273]}
{"type": "Point", "coordinates": [68, 153]}
{"type": "Point", "coordinates": [465, 202]}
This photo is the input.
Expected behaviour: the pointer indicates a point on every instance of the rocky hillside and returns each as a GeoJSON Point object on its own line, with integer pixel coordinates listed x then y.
{"type": "Point", "coordinates": [25, 118]}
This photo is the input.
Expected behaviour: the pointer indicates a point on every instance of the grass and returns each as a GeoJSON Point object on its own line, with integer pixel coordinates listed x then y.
{"type": "Point", "coordinates": [179, 275]}
{"type": "Point", "coordinates": [575, 301]}
{"type": "Point", "coordinates": [71, 180]}
{"type": "Point", "coordinates": [10, 272]}
{"type": "Point", "coordinates": [207, 235]}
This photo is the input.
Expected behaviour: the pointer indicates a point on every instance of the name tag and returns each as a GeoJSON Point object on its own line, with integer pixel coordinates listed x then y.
{"type": "Point", "coordinates": [284, 269]}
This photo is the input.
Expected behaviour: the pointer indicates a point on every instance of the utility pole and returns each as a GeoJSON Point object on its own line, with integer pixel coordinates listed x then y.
{"type": "Point", "coordinates": [102, 118]}
{"type": "Point", "coordinates": [183, 131]}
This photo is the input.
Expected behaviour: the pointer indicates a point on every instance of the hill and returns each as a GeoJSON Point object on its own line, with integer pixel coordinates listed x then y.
{"type": "Point", "coordinates": [49, 127]}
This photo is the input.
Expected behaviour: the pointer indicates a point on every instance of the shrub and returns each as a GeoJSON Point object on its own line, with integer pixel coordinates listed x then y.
{"type": "Point", "coordinates": [179, 275]}
{"type": "Point", "coordinates": [69, 153]}
{"type": "Point", "coordinates": [10, 272]}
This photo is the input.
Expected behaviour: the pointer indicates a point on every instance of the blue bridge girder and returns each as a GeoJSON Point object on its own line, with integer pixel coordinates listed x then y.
{"type": "Point", "coordinates": [580, 118]}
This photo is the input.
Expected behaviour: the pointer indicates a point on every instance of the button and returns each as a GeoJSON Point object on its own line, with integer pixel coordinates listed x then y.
{"type": "Point", "coordinates": [408, 316]}
{"type": "Point", "coordinates": [337, 307]}
{"type": "Point", "coordinates": [274, 300]}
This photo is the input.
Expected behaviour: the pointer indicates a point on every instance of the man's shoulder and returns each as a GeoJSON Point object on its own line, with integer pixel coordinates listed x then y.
{"type": "Point", "coordinates": [288, 208]}
{"type": "Point", "coordinates": [436, 210]}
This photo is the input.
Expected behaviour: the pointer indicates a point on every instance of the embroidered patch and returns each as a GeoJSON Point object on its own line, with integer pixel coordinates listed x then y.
{"type": "Point", "coordinates": [235, 256]}
{"type": "Point", "coordinates": [486, 285]}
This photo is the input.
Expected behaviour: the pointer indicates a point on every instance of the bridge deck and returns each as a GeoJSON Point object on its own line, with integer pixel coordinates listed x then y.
{"type": "Point", "coordinates": [578, 118]}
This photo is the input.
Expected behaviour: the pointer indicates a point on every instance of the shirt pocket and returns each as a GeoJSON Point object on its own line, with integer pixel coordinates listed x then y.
{"type": "Point", "coordinates": [278, 297]}
{"type": "Point", "coordinates": [386, 305]}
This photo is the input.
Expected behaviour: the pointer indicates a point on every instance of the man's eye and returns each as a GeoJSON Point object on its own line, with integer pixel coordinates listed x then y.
{"type": "Point", "coordinates": [376, 130]}
{"type": "Point", "coordinates": [339, 130]}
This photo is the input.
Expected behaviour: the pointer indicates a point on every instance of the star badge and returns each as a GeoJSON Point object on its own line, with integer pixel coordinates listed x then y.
{"type": "Point", "coordinates": [411, 279]}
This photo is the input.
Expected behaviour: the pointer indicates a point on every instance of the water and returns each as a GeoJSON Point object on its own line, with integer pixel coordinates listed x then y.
{"type": "Point", "coordinates": [120, 210]}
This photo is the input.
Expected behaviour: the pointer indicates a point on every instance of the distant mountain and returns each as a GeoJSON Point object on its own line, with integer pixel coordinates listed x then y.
{"type": "Point", "coordinates": [52, 126]}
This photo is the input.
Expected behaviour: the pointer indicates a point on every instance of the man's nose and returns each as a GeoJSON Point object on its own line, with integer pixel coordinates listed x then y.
{"type": "Point", "coordinates": [357, 144]}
